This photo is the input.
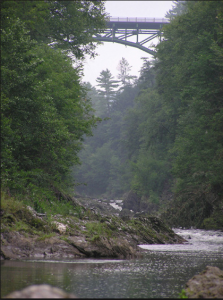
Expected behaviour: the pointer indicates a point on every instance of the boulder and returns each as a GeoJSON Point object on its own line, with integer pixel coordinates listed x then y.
{"type": "Point", "coordinates": [131, 201]}
{"type": "Point", "coordinates": [125, 214]}
{"type": "Point", "coordinates": [62, 228]}
{"type": "Point", "coordinates": [40, 291]}
{"type": "Point", "coordinates": [207, 284]}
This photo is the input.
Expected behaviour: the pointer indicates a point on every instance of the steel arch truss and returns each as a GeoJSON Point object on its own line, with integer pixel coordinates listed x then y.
{"type": "Point", "coordinates": [121, 31]}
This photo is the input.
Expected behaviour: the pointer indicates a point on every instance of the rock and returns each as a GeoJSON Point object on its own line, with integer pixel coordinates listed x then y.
{"type": "Point", "coordinates": [208, 284]}
{"type": "Point", "coordinates": [131, 201]}
{"type": "Point", "coordinates": [36, 214]}
{"type": "Point", "coordinates": [104, 247]}
{"type": "Point", "coordinates": [16, 246]}
{"type": "Point", "coordinates": [31, 210]}
{"type": "Point", "coordinates": [139, 214]}
{"type": "Point", "coordinates": [126, 214]}
{"type": "Point", "coordinates": [97, 207]}
{"type": "Point", "coordinates": [40, 291]}
{"type": "Point", "coordinates": [60, 227]}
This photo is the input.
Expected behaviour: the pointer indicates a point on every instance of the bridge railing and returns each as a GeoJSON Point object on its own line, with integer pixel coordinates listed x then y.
{"type": "Point", "coordinates": [149, 20]}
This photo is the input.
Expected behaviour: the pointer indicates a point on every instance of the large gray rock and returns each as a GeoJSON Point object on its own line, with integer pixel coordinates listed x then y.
{"type": "Point", "coordinates": [40, 291]}
{"type": "Point", "coordinates": [208, 284]}
{"type": "Point", "coordinates": [131, 201]}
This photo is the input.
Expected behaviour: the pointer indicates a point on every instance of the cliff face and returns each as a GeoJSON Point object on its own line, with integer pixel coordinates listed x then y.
{"type": "Point", "coordinates": [27, 234]}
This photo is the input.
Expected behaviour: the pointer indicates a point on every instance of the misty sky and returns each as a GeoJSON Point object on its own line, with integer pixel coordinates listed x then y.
{"type": "Point", "coordinates": [109, 54]}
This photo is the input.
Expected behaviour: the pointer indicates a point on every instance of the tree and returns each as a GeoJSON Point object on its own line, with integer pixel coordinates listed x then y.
{"type": "Point", "coordinates": [147, 144]}
{"type": "Point", "coordinates": [44, 111]}
{"type": "Point", "coordinates": [104, 167]}
{"type": "Point", "coordinates": [178, 9]}
{"type": "Point", "coordinates": [124, 69]}
{"type": "Point", "coordinates": [147, 74]}
{"type": "Point", "coordinates": [67, 25]}
{"type": "Point", "coordinates": [190, 80]}
{"type": "Point", "coordinates": [107, 88]}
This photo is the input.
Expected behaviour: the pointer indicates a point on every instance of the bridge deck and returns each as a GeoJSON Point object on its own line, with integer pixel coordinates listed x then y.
{"type": "Point", "coordinates": [136, 23]}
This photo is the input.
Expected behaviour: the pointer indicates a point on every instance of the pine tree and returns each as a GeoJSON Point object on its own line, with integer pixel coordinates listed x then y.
{"type": "Point", "coordinates": [107, 89]}
{"type": "Point", "coordinates": [124, 75]}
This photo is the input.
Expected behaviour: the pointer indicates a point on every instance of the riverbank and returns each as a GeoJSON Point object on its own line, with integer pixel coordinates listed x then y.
{"type": "Point", "coordinates": [28, 234]}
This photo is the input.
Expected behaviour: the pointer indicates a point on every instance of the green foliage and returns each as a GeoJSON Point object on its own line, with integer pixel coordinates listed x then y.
{"type": "Point", "coordinates": [78, 211]}
{"type": "Point", "coordinates": [45, 112]}
{"type": "Point", "coordinates": [214, 222]}
{"type": "Point", "coordinates": [95, 238]}
{"type": "Point", "coordinates": [17, 217]}
{"type": "Point", "coordinates": [190, 80]}
{"type": "Point", "coordinates": [149, 175]}
{"type": "Point", "coordinates": [98, 230]}
{"type": "Point", "coordinates": [182, 294]}
{"type": "Point", "coordinates": [147, 74]}
{"type": "Point", "coordinates": [46, 236]}
{"type": "Point", "coordinates": [149, 136]}
{"type": "Point", "coordinates": [67, 25]}
{"type": "Point", "coordinates": [44, 201]}
{"type": "Point", "coordinates": [9, 203]}
{"type": "Point", "coordinates": [178, 9]}
{"type": "Point", "coordinates": [107, 89]}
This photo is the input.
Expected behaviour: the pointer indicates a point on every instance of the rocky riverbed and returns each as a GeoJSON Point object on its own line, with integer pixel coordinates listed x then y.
{"type": "Point", "coordinates": [93, 232]}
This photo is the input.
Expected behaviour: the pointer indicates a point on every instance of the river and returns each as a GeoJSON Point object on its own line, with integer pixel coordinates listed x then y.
{"type": "Point", "coordinates": [161, 273]}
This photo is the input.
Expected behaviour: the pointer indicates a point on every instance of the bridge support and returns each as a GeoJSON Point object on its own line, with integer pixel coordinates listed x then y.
{"type": "Point", "coordinates": [119, 30]}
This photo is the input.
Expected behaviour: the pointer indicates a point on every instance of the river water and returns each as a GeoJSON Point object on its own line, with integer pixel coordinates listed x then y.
{"type": "Point", "coordinates": [161, 273]}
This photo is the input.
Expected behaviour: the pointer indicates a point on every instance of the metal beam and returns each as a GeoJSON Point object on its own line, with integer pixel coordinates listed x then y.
{"type": "Point", "coordinates": [120, 29]}
{"type": "Point", "coordinates": [127, 43]}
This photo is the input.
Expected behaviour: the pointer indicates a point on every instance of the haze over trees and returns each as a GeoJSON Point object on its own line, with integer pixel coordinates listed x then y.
{"type": "Point", "coordinates": [164, 136]}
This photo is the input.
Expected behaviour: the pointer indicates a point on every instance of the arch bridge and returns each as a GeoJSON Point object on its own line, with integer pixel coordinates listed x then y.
{"type": "Point", "coordinates": [119, 30]}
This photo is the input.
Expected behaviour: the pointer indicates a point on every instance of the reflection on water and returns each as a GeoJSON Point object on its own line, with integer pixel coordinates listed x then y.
{"type": "Point", "coordinates": [162, 272]}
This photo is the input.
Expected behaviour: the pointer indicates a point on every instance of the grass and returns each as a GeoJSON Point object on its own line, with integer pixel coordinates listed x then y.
{"type": "Point", "coordinates": [95, 238]}
{"type": "Point", "coordinates": [123, 228]}
{"type": "Point", "coordinates": [46, 236]}
{"type": "Point", "coordinates": [42, 202]}
{"type": "Point", "coordinates": [98, 229]}
{"type": "Point", "coordinates": [16, 216]}
{"type": "Point", "coordinates": [10, 204]}
{"type": "Point", "coordinates": [182, 294]}
{"type": "Point", "coordinates": [65, 238]}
